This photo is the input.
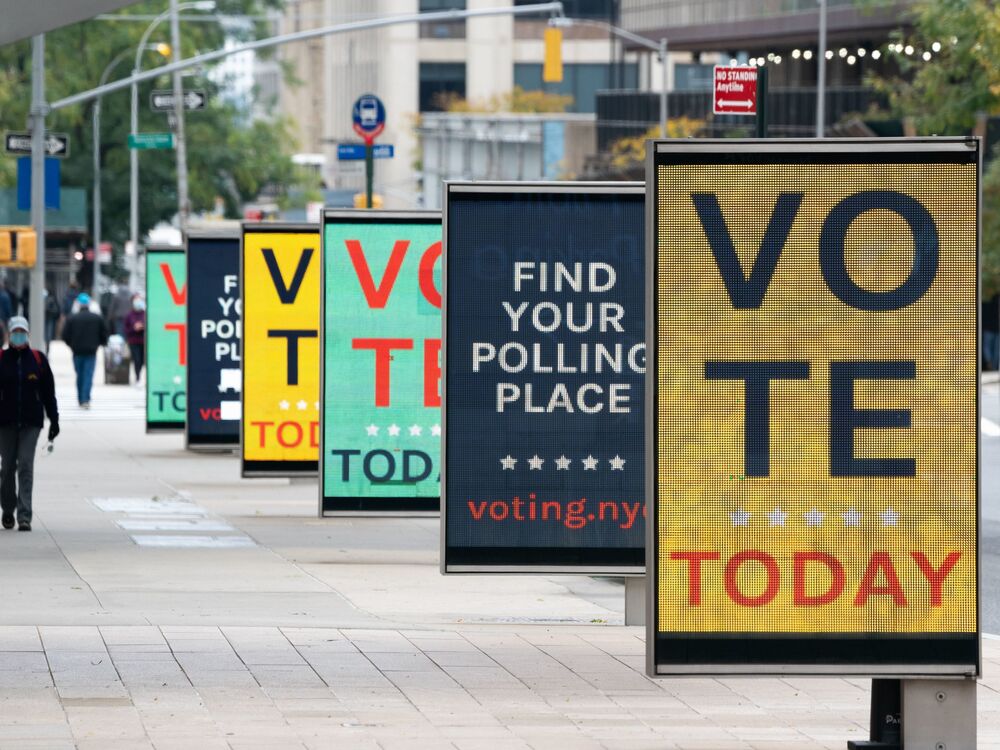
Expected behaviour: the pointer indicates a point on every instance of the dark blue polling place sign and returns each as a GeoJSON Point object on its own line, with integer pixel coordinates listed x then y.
{"type": "Point", "coordinates": [544, 360]}
{"type": "Point", "coordinates": [213, 340]}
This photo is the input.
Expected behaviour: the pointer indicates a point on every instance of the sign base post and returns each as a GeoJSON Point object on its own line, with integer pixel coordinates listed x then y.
{"type": "Point", "coordinates": [635, 600]}
{"type": "Point", "coordinates": [938, 714]}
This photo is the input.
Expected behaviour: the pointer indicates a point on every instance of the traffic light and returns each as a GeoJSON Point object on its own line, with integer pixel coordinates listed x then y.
{"type": "Point", "coordinates": [552, 69]}
{"type": "Point", "coordinates": [18, 246]}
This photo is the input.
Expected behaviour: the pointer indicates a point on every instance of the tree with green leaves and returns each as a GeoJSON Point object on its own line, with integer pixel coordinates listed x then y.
{"type": "Point", "coordinates": [228, 155]}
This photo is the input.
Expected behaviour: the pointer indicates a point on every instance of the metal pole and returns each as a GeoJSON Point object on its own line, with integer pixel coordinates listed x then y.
{"type": "Point", "coordinates": [298, 36]}
{"type": "Point", "coordinates": [38, 111]}
{"type": "Point", "coordinates": [369, 172]}
{"type": "Point", "coordinates": [663, 89]}
{"type": "Point", "coordinates": [96, 196]}
{"type": "Point", "coordinates": [183, 209]}
{"type": "Point", "coordinates": [762, 102]}
{"type": "Point", "coordinates": [133, 163]}
{"type": "Point", "coordinates": [821, 72]}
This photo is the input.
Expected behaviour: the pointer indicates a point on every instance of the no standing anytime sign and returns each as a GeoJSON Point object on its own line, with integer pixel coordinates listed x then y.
{"type": "Point", "coordinates": [734, 90]}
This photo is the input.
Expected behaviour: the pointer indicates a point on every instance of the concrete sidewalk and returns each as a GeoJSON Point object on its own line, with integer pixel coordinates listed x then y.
{"type": "Point", "coordinates": [162, 602]}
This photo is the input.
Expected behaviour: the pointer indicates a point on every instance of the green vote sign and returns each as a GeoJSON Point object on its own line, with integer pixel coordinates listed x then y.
{"type": "Point", "coordinates": [380, 351]}
{"type": "Point", "coordinates": [166, 338]}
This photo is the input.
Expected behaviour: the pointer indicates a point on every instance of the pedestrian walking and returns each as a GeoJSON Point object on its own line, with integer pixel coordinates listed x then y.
{"type": "Point", "coordinates": [27, 396]}
{"type": "Point", "coordinates": [85, 333]}
{"type": "Point", "coordinates": [53, 312]}
{"type": "Point", "coordinates": [135, 334]}
{"type": "Point", "coordinates": [119, 306]}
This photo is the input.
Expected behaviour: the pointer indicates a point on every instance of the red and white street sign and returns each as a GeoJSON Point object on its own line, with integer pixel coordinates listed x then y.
{"type": "Point", "coordinates": [734, 90]}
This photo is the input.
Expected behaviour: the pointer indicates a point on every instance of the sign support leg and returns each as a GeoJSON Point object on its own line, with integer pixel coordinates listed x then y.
{"type": "Point", "coordinates": [635, 600]}
{"type": "Point", "coordinates": [939, 714]}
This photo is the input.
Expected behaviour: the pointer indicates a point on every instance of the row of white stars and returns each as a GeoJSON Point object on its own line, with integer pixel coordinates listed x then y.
{"type": "Point", "coordinates": [301, 405]}
{"type": "Point", "coordinates": [814, 517]}
{"type": "Point", "coordinates": [394, 430]}
{"type": "Point", "coordinates": [590, 463]}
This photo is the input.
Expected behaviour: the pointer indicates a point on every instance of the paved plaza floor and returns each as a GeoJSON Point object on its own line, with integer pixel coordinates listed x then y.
{"type": "Point", "coordinates": [163, 602]}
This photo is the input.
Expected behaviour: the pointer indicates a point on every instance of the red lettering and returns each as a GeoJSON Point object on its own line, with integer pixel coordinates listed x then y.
{"type": "Point", "coordinates": [801, 598]}
{"type": "Point", "coordinates": [935, 577]}
{"type": "Point", "coordinates": [732, 586]}
{"type": "Point", "coordinates": [262, 426]}
{"type": "Point", "coordinates": [181, 329]}
{"type": "Point", "coordinates": [383, 349]}
{"type": "Point", "coordinates": [297, 430]}
{"type": "Point", "coordinates": [179, 296]}
{"type": "Point", "coordinates": [694, 572]}
{"type": "Point", "coordinates": [314, 434]}
{"type": "Point", "coordinates": [432, 372]}
{"type": "Point", "coordinates": [477, 515]}
{"type": "Point", "coordinates": [430, 257]}
{"type": "Point", "coordinates": [880, 561]}
{"type": "Point", "coordinates": [495, 510]}
{"type": "Point", "coordinates": [377, 297]}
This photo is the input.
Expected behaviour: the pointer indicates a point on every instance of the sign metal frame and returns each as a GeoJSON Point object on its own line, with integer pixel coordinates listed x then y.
{"type": "Point", "coordinates": [263, 227]}
{"type": "Point", "coordinates": [538, 187]}
{"type": "Point", "coordinates": [365, 216]}
{"type": "Point", "coordinates": [790, 146]}
{"type": "Point", "coordinates": [176, 425]}
{"type": "Point", "coordinates": [232, 234]}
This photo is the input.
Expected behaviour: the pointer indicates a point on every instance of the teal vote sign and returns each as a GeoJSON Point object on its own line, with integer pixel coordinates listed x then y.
{"type": "Point", "coordinates": [380, 392]}
{"type": "Point", "coordinates": [166, 338]}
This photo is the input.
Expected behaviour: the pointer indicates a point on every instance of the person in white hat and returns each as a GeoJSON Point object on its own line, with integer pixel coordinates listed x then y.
{"type": "Point", "coordinates": [27, 396]}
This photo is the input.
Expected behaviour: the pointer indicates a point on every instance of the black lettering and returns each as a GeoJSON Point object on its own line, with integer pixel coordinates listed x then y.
{"type": "Point", "coordinates": [293, 336]}
{"type": "Point", "coordinates": [925, 250]}
{"type": "Point", "coordinates": [287, 294]}
{"type": "Point", "coordinates": [757, 377]}
{"type": "Point", "coordinates": [746, 293]}
{"type": "Point", "coordinates": [345, 464]}
{"type": "Point", "coordinates": [408, 476]}
{"type": "Point", "coordinates": [390, 466]}
{"type": "Point", "coordinates": [845, 419]}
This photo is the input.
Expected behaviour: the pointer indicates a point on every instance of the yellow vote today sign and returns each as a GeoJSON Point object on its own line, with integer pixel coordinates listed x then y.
{"type": "Point", "coordinates": [815, 419]}
{"type": "Point", "coordinates": [281, 310]}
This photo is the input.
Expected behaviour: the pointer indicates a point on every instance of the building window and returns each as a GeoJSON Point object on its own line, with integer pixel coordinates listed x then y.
{"type": "Point", "coordinates": [693, 76]}
{"type": "Point", "coordinates": [438, 81]}
{"type": "Point", "coordinates": [442, 29]}
{"type": "Point", "coordinates": [605, 10]}
{"type": "Point", "coordinates": [582, 81]}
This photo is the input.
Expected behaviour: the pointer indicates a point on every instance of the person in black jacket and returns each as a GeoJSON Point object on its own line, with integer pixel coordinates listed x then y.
{"type": "Point", "coordinates": [27, 396]}
{"type": "Point", "coordinates": [85, 332]}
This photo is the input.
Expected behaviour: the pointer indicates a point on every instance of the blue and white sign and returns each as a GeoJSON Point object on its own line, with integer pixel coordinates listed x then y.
{"type": "Point", "coordinates": [368, 115]}
{"type": "Point", "coordinates": [356, 151]}
{"type": "Point", "coordinates": [544, 366]}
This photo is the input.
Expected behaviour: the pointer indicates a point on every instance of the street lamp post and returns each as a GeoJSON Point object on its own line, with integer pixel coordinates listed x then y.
{"type": "Point", "coordinates": [821, 72]}
{"type": "Point", "coordinates": [97, 161]}
{"type": "Point", "coordinates": [659, 47]}
{"type": "Point", "coordinates": [206, 5]}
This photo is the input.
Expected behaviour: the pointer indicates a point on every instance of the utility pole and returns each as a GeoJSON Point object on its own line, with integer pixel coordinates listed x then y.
{"type": "Point", "coordinates": [821, 72]}
{"type": "Point", "coordinates": [183, 207]}
{"type": "Point", "coordinates": [662, 54]}
{"type": "Point", "coordinates": [39, 109]}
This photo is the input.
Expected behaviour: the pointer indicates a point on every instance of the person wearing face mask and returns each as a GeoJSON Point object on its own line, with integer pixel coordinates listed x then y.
{"type": "Point", "coordinates": [27, 396]}
{"type": "Point", "coordinates": [85, 333]}
{"type": "Point", "coordinates": [135, 334]}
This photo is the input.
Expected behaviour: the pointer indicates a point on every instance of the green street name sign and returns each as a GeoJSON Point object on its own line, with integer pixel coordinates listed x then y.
{"type": "Point", "coordinates": [151, 140]}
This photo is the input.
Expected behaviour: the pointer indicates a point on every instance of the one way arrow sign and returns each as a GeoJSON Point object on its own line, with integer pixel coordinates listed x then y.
{"type": "Point", "coordinates": [19, 144]}
{"type": "Point", "coordinates": [163, 100]}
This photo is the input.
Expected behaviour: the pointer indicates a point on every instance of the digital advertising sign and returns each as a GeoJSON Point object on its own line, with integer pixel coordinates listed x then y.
{"type": "Point", "coordinates": [812, 435]}
{"type": "Point", "coordinates": [281, 301]}
{"type": "Point", "coordinates": [544, 378]}
{"type": "Point", "coordinates": [166, 338]}
{"type": "Point", "coordinates": [381, 349]}
{"type": "Point", "coordinates": [213, 341]}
